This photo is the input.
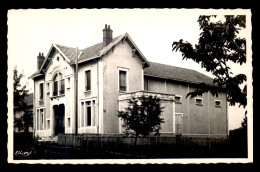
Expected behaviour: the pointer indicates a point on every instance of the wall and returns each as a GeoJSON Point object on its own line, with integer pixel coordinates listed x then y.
{"type": "Point", "coordinates": [49, 101]}
{"type": "Point", "coordinates": [121, 56]}
{"type": "Point", "coordinates": [166, 101]}
{"type": "Point", "coordinates": [87, 95]}
{"type": "Point", "coordinates": [197, 120]}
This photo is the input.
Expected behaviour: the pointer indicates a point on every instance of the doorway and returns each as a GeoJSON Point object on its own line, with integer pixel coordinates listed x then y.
{"type": "Point", "coordinates": [59, 122]}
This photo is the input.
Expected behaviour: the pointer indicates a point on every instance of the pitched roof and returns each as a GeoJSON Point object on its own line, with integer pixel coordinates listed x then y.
{"type": "Point", "coordinates": [35, 74]}
{"type": "Point", "coordinates": [176, 73]}
{"type": "Point", "coordinates": [94, 50]}
{"type": "Point", "coordinates": [89, 53]}
{"type": "Point", "coordinates": [86, 54]}
{"type": "Point", "coordinates": [68, 51]}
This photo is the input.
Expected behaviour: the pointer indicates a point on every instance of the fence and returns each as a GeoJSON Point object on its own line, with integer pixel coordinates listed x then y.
{"type": "Point", "coordinates": [148, 147]}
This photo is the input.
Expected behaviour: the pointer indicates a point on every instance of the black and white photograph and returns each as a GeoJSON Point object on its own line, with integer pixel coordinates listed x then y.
{"type": "Point", "coordinates": [117, 86]}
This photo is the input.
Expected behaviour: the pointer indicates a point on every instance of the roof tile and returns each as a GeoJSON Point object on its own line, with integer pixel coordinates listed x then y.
{"type": "Point", "coordinates": [177, 74]}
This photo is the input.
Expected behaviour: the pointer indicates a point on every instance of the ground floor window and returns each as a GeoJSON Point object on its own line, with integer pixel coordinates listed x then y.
{"type": "Point", "coordinates": [40, 118]}
{"type": "Point", "coordinates": [87, 113]}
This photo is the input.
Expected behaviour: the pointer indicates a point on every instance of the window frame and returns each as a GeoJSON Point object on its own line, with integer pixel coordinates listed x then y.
{"type": "Point", "coordinates": [180, 101]}
{"type": "Point", "coordinates": [41, 120]}
{"type": "Point", "coordinates": [62, 88]}
{"type": "Point", "coordinates": [220, 103]}
{"type": "Point", "coordinates": [41, 91]}
{"type": "Point", "coordinates": [83, 118]}
{"type": "Point", "coordinates": [86, 80]}
{"type": "Point", "coordinates": [58, 78]}
{"type": "Point", "coordinates": [126, 80]}
{"type": "Point", "coordinates": [199, 98]}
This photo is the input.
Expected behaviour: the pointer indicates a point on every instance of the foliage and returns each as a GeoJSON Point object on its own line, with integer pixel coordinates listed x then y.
{"type": "Point", "coordinates": [219, 44]}
{"type": "Point", "coordinates": [19, 93]}
{"type": "Point", "coordinates": [142, 116]}
{"type": "Point", "coordinates": [24, 122]}
{"type": "Point", "coordinates": [244, 122]}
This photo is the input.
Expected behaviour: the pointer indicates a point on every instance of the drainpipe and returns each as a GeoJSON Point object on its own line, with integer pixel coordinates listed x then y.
{"type": "Point", "coordinates": [76, 93]}
{"type": "Point", "coordinates": [97, 98]}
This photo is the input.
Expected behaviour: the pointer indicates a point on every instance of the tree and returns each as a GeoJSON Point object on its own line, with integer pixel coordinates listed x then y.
{"type": "Point", "coordinates": [19, 93]}
{"type": "Point", "coordinates": [142, 116]}
{"type": "Point", "coordinates": [218, 45]}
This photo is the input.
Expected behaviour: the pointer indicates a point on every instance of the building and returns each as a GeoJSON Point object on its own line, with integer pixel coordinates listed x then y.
{"type": "Point", "coordinates": [83, 95]}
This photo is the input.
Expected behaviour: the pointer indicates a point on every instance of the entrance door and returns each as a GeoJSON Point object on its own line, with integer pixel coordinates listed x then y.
{"type": "Point", "coordinates": [178, 123]}
{"type": "Point", "coordinates": [59, 122]}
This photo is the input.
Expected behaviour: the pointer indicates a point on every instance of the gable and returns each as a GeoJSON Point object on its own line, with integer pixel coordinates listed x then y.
{"type": "Point", "coordinates": [98, 50]}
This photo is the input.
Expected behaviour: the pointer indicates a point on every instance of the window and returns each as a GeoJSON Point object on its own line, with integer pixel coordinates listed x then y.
{"type": "Point", "coordinates": [122, 80]}
{"type": "Point", "coordinates": [178, 99]}
{"type": "Point", "coordinates": [199, 101]}
{"type": "Point", "coordinates": [87, 114]}
{"type": "Point", "coordinates": [55, 85]}
{"type": "Point", "coordinates": [40, 119]}
{"type": "Point", "coordinates": [87, 80]}
{"type": "Point", "coordinates": [41, 91]}
{"type": "Point", "coordinates": [58, 84]}
{"type": "Point", "coordinates": [217, 103]}
{"type": "Point", "coordinates": [62, 86]}
{"type": "Point", "coordinates": [82, 115]}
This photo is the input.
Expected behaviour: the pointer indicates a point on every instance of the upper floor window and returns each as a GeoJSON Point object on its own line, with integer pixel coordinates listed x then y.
{"type": "Point", "coordinates": [41, 91]}
{"type": "Point", "coordinates": [87, 80]}
{"type": "Point", "coordinates": [58, 84]}
{"type": "Point", "coordinates": [123, 80]}
{"type": "Point", "coordinates": [199, 101]}
{"type": "Point", "coordinates": [178, 99]}
{"type": "Point", "coordinates": [217, 103]}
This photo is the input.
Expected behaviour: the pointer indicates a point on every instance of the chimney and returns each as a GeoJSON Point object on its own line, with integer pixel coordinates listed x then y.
{"type": "Point", "coordinates": [40, 60]}
{"type": "Point", "coordinates": [107, 35]}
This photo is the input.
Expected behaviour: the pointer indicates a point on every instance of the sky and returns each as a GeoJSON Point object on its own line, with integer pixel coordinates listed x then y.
{"type": "Point", "coordinates": [152, 30]}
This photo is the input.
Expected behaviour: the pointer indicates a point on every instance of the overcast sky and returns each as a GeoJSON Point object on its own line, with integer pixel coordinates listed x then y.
{"type": "Point", "coordinates": [152, 30]}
